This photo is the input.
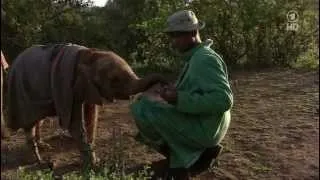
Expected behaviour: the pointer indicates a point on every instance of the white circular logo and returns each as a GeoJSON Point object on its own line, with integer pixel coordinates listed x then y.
{"type": "Point", "coordinates": [292, 16]}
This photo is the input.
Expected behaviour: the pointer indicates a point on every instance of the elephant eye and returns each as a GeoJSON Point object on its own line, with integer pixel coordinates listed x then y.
{"type": "Point", "coordinates": [115, 82]}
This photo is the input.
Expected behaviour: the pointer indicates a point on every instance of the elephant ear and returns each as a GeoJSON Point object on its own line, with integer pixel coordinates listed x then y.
{"type": "Point", "coordinates": [84, 87]}
{"type": "Point", "coordinates": [86, 56]}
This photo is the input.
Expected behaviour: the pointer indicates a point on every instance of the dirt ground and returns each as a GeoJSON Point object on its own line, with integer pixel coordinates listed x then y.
{"type": "Point", "coordinates": [274, 132]}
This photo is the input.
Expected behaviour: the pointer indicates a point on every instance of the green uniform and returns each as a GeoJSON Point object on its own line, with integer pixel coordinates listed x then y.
{"type": "Point", "coordinates": [201, 116]}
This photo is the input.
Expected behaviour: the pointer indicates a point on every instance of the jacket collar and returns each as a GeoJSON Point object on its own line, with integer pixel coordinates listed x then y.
{"type": "Point", "coordinates": [187, 55]}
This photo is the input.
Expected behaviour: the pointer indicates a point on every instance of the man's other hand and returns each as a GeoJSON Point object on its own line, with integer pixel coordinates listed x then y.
{"type": "Point", "coordinates": [169, 93]}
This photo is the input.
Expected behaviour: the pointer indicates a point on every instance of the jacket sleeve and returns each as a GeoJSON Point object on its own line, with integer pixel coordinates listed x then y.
{"type": "Point", "coordinates": [210, 91]}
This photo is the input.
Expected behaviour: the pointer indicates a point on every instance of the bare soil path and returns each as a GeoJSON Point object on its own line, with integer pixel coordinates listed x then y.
{"type": "Point", "coordinates": [274, 132]}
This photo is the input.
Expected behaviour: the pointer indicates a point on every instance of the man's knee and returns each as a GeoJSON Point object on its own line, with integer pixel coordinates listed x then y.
{"type": "Point", "coordinates": [137, 109]}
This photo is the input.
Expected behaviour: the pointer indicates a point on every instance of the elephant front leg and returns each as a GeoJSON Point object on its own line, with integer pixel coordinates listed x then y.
{"type": "Point", "coordinates": [91, 118]}
{"type": "Point", "coordinates": [78, 132]}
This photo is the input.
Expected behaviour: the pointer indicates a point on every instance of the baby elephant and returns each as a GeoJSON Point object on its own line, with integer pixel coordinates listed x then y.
{"type": "Point", "coordinates": [68, 81]}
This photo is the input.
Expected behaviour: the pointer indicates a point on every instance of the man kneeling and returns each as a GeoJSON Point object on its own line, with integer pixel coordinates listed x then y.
{"type": "Point", "coordinates": [187, 121]}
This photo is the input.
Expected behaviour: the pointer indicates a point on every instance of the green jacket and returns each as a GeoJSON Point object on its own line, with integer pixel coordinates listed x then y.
{"type": "Point", "coordinates": [201, 116]}
{"type": "Point", "coordinates": [204, 89]}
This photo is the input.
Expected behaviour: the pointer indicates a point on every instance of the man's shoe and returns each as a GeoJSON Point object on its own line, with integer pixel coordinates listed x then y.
{"type": "Point", "coordinates": [159, 169]}
{"type": "Point", "coordinates": [205, 160]}
{"type": "Point", "coordinates": [178, 174]}
{"type": "Point", "coordinates": [164, 150]}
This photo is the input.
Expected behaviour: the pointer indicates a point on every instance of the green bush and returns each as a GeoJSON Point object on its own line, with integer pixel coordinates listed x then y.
{"type": "Point", "coordinates": [308, 59]}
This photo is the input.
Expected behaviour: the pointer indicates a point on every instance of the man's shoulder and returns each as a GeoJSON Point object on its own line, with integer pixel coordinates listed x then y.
{"type": "Point", "coordinates": [206, 53]}
{"type": "Point", "coordinates": [206, 57]}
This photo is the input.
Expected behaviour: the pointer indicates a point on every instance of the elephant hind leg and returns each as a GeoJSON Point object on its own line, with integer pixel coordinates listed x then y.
{"type": "Point", "coordinates": [40, 143]}
{"type": "Point", "coordinates": [32, 142]}
{"type": "Point", "coordinates": [91, 117]}
{"type": "Point", "coordinates": [37, 130]}
{"type": "Point", "coordinates": [33, 145]}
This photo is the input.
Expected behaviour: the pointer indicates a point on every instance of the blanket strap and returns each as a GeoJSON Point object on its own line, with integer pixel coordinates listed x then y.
{"type": "Point", "coordinates": [54, 62]}
{"type": "Point", "coordinates": [56, 58]}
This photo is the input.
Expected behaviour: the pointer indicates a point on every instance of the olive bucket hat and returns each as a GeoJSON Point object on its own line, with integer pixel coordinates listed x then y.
{"type": "Point", "coordinates": [182, 21]}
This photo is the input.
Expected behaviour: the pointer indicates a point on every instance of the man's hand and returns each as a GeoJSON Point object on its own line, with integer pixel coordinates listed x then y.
{"type": "Point", "coordinates": [153, 94]}
{"type": "Point", "coordinates": [158, 78]}
{"type": "Point", "coordinates": [169, 93]}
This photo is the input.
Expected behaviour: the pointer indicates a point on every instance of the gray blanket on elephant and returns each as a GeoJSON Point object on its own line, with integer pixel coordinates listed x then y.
{"type": "Point", "coordinates": [40, 84]}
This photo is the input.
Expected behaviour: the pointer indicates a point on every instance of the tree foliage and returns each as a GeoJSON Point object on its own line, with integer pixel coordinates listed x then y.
{"type": "Point", "coordinates": [247, 33]}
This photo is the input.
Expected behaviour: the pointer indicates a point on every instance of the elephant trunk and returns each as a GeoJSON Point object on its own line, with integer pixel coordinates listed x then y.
{"type": "Point", "coordinates": [142, 84]}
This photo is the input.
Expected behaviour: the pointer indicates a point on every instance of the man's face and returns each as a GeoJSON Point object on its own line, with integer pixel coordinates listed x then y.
{"type": "Point", "coordinates": [180, 40]}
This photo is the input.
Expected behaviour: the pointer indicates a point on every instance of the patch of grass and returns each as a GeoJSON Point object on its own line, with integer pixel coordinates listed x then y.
{"type": "Point", "coordinates": [104, 173]}
{"type": "Point", "coordinates": [23, 174]}
{"type": "Point", "coordinates": [261, 168]}
{"type": "Point", "coordinates": [113, 167]}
